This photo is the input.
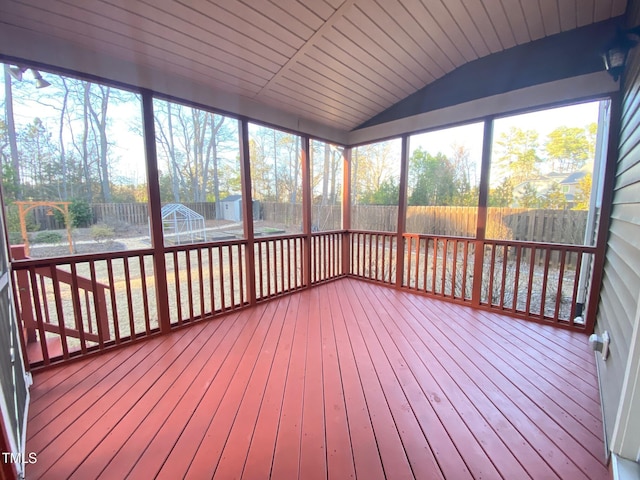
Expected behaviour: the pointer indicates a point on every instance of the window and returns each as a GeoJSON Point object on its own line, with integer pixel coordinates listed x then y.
{"type": "Point", "coordinates": [199, 174]}
{"type": "Point", "coordinates": [326, 186]}
{"type": "Point", "coordinates": [443, 179]}
{"type": "Point", "coordinates": [276, 180]}
{"type": "Point", "coordinates": [375, 179]}
{"type": "Point", "coordinates": [542, 170]}
{"type": "Point", "coordinates": [73, 169]}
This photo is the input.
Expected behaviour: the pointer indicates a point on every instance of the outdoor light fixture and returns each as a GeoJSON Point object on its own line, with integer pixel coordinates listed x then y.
{"type": "Point", "coordinates": [40, 82]}
{"type": "Point", "coordinates": [17, 71]}
{"type": "Point", "coordinates": [616, 53]}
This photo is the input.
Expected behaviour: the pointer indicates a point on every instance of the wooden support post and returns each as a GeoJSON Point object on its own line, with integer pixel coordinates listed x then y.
{"type": "Point", "coordinates": [481, 222]}
{"type": "Point", "coordinates": [402, 210]}
{"type": "Point", "coordinates": [155, 213]}
{"type": "Point", "coordinates": [306, 210]}
{"type": "Point", "coordinates": [247, 211]}
{"type": "Point", "coordinates": [605, 213]}
{"type": "Point", "coordinates": [346, 210]}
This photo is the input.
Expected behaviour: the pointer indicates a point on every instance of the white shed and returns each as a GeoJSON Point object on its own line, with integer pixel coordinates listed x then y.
{"type": "Point", "coordinates": [231, 208]}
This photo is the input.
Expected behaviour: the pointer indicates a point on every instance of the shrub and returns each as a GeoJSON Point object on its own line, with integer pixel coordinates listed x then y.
{"type": "Point", "coordinates": [80, 213]}
{"type": "Point", "coordinates": [101, 233]}
{"type": "Point", "coordinates": [15, 238]}
{"type": "Point", "coordinates": [12, 219]}
{"type": "Point", "coordinates": [47, 237]}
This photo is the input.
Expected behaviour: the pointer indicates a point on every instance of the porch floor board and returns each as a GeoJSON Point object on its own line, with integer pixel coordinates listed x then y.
{"type": "Point", "coordinates": [346, 380]}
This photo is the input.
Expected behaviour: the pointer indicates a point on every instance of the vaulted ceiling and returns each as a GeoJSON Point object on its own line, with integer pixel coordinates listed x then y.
{"type": "Point", "coordinates": [336, 62]}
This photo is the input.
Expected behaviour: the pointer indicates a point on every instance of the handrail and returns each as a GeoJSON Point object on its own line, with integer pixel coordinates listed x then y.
{"type": "Point", "coordinates": [25, 268]}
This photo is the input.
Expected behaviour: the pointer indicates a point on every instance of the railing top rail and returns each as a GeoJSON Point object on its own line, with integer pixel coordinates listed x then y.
{"type": "Point", "coordinates": [373, 232]}
{"type": "Point", "coordinates": [448, 237]}
{"type": "Point", "coordinates": [68, 259]}
{"type": "Point", "coordinates": [521, 243]}
{"type": "Point", "coordinates": [328, 232]}
{"type": "Point", "coordinates": [196, 246]}
{"type": "Point", "coordinates": [545, 245]}
{"type": "Point", "coordinates": [269, 238]}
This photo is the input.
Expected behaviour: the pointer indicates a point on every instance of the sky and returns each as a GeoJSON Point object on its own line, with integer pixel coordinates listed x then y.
{"type": "Point", "coordinates": [128, 145]}
{"type": "Point", "coordinates": [544, 122]}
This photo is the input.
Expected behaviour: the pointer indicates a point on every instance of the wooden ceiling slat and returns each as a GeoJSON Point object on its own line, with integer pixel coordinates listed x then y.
{"type": "Point", "coordinates": [338, 62]}
{"type": "Point", "coordinates": [253, 24]}
{"type": "Point", "coordinates": [338, 68]}
{"type": "Point", "coordinates": [131, 49]}
{"type": "Point", "coordinates": [353, 40]}
{"type": "Point", "coordinates": [533, 17]}
{"type": "Point", "coordinates": [481, 19]}
{"type": "Point", "coordinates": [438, 62]}
{"type": "Point", "coordinates": [568, 14]}
{"type": "Point", "coordinates": [433, 30]}
{"type": "Point", "coordinates": [286, 12]}
{"type": "Point", "coordinates": [334, 3]}
{"type": "Point", "coordinates": [450, 26]}
{"type": "Point", "coordinates": [519, 26]}
{"type": "Point", "coordinates": [321, 8]}
{"type": "Point", "coordinates": [500, 23]}
{"type": "Point", "coordinates": [299, 91]}
{"type": "Point", "coordinates": [400, 44]}
{"type": "Point", "coordinates": [602, 10]}
{"type": "Point", "coordinates": [467, 27]}
{"type": "Point", "coordinates": [358, 65]}
{"type": "Point", "coordinates": [126, 53]}
{"type": "Point", "coordinates": [585, 12]}
{"type": "Point", "coordinates": [618, 7]}
{"type": "Point", "coordinates": [235, 41]}
{"type": "Point", "coordinates": [336, 92]}
{"type": "Point", "coordinates": [550, 16]}
{"type": "Point", "coordinates": [208, 37]}
{"type": "Point", "coordinates": [156, 36]}
{"type": "Point", "coordinates": [284, 102]}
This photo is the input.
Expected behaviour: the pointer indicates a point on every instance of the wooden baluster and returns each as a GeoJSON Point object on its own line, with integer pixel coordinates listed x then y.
{"type": "Point", "coordinates": [545, 281]}
{"type": "Point", "coordinates": [176, 272]}
{"type": "Point", "coordinates": [77, 312]}
{"type": "Point", "coordinates": [114, 309]}
{"type": "Point", "coordinates": [556, 312]}
{"type": "Point", "coordinates": [145, 295]}
{"type": "Point", "coordinates": [44, 348]}
{"type": "Point", "coordinates": [223, 305]}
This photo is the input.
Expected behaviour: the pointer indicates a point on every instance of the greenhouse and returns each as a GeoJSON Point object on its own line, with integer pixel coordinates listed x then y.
{"type": "Point", "coordinates": [180, 224]}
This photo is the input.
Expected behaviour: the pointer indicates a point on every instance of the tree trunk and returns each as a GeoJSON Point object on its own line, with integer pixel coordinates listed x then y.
{"type": "Point", "coordinates": [11, 131]}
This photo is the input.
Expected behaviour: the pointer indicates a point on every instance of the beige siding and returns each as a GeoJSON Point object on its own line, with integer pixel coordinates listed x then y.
{"type": "Point", "coordinates": [621, 282]}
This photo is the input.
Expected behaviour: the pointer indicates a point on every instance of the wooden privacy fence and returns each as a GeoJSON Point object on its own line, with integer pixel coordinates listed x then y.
{"type": "Point", "coordinates": [131, 213]}
{"type": "Point", "coordinates": [530, 225]}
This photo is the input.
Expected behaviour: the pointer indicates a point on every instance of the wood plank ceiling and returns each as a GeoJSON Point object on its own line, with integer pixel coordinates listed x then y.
{"type": "Point", "coordinates": [337, 62]}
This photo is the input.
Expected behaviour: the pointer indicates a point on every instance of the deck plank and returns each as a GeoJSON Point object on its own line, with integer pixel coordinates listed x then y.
{"type": "Point", "coordinates": [346, 380]}
{"type": "Point", "coordinates": [116, 452]}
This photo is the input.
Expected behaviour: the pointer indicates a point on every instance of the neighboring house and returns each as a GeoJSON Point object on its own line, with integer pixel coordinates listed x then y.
{"type": "Point", "coordinates": [568, 183]}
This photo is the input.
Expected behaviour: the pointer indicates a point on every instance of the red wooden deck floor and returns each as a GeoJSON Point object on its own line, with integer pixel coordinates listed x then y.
{"type": "Point", "coordinates": [345, 380]}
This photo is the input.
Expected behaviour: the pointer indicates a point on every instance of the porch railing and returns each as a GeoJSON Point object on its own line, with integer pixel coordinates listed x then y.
{"type": "Point", "coordinates": [73, 306]}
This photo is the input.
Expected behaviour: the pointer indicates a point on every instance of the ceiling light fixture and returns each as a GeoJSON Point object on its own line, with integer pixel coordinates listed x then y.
{"type": "Point", "coordinates": [40, 82]}
{"type": "Point", "coordinates": [17, 71]}
{"type": "Point", "coordinates": [617, 52]}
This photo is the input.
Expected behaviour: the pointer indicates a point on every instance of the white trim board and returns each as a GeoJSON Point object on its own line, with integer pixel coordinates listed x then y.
{"type": "Point", "coordinates": [566, 90]}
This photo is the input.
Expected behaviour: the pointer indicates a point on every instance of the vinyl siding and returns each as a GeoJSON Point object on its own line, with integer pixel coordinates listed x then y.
{"type": "Point", "coordinates": [621, 281]}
